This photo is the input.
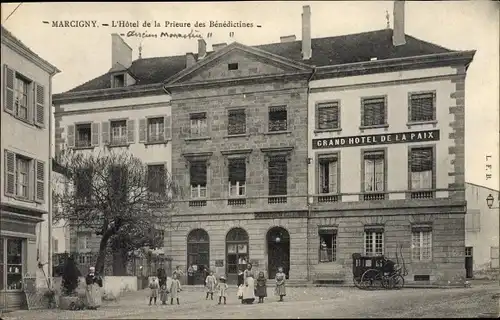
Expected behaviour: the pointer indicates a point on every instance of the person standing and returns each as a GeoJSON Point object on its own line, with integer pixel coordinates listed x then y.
{"type": "Point", "coordinates": [261, 287]}
{"type": "Point", "coordinates": [241, 282]}
{"type": "Point", "coordinates": [190, 275]}
{"type": "Point", "coordinates": [324, 251]}
{"type": "Point", "coordinates": [162, 275]}
{"type": "Point", "coordinates": [280, 284]}
{"type": "Point", "coordinates": [222, 288]}
{"type": "Point", "coordinates": [163, 294]}
{"type": "Point", "coordinates": [154, 285]}
{"type": "Point", "coordinates": [249, 286]}
{"type": "Point", "coordinates": [175, 288]}
{"type": "Point", "coordinates": [210, 283]}
{"type": "Point", "coordinates": [93, 289]}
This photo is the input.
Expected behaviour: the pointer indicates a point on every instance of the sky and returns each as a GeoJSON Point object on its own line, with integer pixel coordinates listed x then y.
{"type": "Point", "coordinates": [85, 53]}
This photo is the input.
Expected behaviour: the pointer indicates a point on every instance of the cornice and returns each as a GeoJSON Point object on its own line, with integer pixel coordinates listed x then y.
{"type": "Point", "coordinates": [16, 45]}
{"type": "Point", "coordinates": [236, 152]}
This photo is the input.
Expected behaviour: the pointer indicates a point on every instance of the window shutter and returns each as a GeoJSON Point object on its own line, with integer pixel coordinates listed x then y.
{"type": "Point", "coordinates": [39, 181]}
{"type": "Point", "coordinates": [10, 173]}
{"type": "Point", "coordinates": [328, 116]}
{"type": "Point", "coordinates": [237, 170]}
{"type": "Point", "coordinates": [422, 107]}
{"type": "Point", "coordinates": [105, 132]}
{"type": "Point", "coordinates": [374, 111]}
{"type": "Point", "coordinates": [198, 173]}
{"type": "Point", "coordinates": [142, 130]}
{"type": "Point", "coordinates": [71, 136]}
{"type": "Point", "coordinates": [95, 134]}
{"type": "Point", "coordinates": [9, 75]}
{"type": "Point", "coordinates": [39, 105]}
{"type": "Point", "coordinates": [131, 131]}
{"type": "Point", "coordinates": [421, 160]}
{"type": "Point", "coordinates": [167, 122]}
{"type": "Point", "coordinates": [277, 176]}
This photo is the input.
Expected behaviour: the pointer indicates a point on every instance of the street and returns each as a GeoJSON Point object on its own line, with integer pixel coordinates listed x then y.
{"type": "Point", "coordinates": [310, 302]}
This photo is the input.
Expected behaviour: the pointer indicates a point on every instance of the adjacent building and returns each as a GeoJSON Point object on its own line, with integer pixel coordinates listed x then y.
{"type": "Point", "coordinates": [25, 167]}
{"type": "Point", "coordinates": [481, 231]}
{"type": "Point", "coordinates": [298, 153]}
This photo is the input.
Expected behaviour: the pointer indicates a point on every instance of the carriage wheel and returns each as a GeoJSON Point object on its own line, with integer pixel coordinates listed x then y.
{"type": "Point", "coordinates": [397, 281]}
{"type": "Point", "coordinates": [369, 278]}
{"type": "Point", "coordinates": [387, 282]}
{"type": "Point", "coordinates": [357, 283]}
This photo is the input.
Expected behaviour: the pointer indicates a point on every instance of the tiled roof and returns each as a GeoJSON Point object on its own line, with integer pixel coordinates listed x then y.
{"type": "Point", "coordinates": [325, 51]}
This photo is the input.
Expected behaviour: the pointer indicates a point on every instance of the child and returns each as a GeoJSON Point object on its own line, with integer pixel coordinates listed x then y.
{"type": "Point", "coordinates": [163, 293]}
{"type": "Point", "coordinates": [175, 288]}
{"type": "Point", "coordinates": [210, 283]}
{"type": "Point", "coordinates": [240, 285]}
{"type": "Point", "coordinates": [153, 285]}
{"type": "Point", "coordinates": [261, 288]}
{"type": "Point", "coordinates": [221, 289]}
{"type": "Point", "coordinates": [280, 284]}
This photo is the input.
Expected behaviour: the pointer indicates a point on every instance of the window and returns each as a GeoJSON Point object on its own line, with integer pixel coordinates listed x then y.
{"type": "Point", "coordinates": [422, 107]}
{"type": "Point", "coordinates": [421, 171]}
{"type": "Point", "coordinates": [373, 112]}
{"type": "Point", "coordinates": [237, 177]}
{"type": "Point", "coordinates": [468, 251]}
{"type": "Point", "coordinates": [232, 66]}
{"type": "Point", "coordinates": [421, 244]}
{"type": "Point", "coordinates": [118, 81]}
{"type": "Point", "coordinates": [198, 248]}
{"type": "Point", "coordinates": [473, 220]}
{"type": "Point", "coordinates": [236, 122]}
{"type": "Point", "coordinates": [374, 175]}
{"type": "Point", "coordinates": [83, 184]}
{"type": "Point", "coordinates": [55, 245]}
{"type": "Point", "coordinates": [277, 119]}
{"type": "Point", "coordinates": [198, 173]}
{"type": "Point", "coordinates": [327, 244]}
{"type": "Point", "coordinates": [119, 184]}
{"type": "Point", "coordinates": [83, 135]}
{"type": "Point", "coordinates": [156, 178]}
{"type": "Point", "coordinates": [374, 242]}
{"type": "Point", "coordinates": [156, 129]}
{"type": "Point", "coordinates": [328, 116]}
{"type": "Point", "coordinates": [236, 250]}
{"type": "Point", "coordinates": [22, 177]}
{"type": "Point", "coordinates": [83, 241]}
{"type": "Point", "coordinates": [119, 132]}
{"type": "Point", "coordinates": [14, 253]}
{"type": "Point", "coordinates": [199, 124]}
{"type": "Point", "coordinates": [328, 178]}
{"type": "Point", "coordinates": [22, 87]}
{"type": "Point", "coordinates": [277, 172]}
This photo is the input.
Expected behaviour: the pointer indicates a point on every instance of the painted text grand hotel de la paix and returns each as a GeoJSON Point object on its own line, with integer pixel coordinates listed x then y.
{"type": "Point", "coordinates": [353, 141]}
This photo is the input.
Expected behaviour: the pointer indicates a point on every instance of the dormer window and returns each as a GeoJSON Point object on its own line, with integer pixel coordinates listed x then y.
{"type": "Point", "coordinates": [119, 80]}
{"type": "Point", "coordinates": [232, 66]}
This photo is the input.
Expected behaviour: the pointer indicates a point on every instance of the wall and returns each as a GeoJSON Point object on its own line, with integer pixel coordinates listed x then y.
{"type": "Point", "coordinates": [395, 86]}
{"type": "Point", "coordinates": [484, 236]}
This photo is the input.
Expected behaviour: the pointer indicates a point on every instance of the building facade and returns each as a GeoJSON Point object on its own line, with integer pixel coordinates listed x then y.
{"type": "Point", "coordinates": [270, 177]}
{"type": "Point", "coordinates": [481, 231]}
{"type": "Point", "coordinates": [25, 167]}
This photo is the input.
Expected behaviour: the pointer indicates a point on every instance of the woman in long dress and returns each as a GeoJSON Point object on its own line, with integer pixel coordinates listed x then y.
{"type": "Point", "coordinates": [249, 285]}
{"type": "Point", "coordinates": [93, 289]}
{"type": "Point", "coordinates": [324, 251]}
{"type": "Point", "coordinates": [280, 289]}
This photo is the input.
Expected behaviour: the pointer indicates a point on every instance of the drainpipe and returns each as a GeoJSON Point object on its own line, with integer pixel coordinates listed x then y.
{"type": "Point", "coordinates": [308, 195]}
{"type": "Point", "coordinates": [49, 193]}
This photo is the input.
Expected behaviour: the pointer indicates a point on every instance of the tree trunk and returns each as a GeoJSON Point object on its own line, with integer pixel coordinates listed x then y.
{"type": "Point", "coordinates": [99, 265]}
{"type": "Point", "coordinates": [119, 262]}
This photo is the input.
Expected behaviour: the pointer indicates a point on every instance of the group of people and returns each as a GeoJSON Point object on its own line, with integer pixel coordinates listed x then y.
{"type": "Point", "coordinates": [250, 287]}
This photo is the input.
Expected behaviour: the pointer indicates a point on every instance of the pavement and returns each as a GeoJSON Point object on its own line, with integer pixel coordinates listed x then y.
{"type": "Point", "coordinates": [307, 302]}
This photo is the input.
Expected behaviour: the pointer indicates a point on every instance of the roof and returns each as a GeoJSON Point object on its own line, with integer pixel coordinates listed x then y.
{"type": "Point", "coordinates": [325, 51]}
{"type": "Point", "coordinates": [483, 187]}
{"type": "Point", "coordinates": [7, 34]}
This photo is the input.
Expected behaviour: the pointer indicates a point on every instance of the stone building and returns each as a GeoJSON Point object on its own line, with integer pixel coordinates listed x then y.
{"type": "Point", "coordinates": [25, 166]}
{"type": "Point", "coordinates": [247, 152]}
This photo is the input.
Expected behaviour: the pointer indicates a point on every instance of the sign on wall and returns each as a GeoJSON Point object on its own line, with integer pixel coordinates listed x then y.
{"type": "Point", "coordinates": [376, 139]}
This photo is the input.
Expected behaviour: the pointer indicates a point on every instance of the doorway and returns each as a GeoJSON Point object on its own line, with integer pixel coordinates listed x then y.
{"type": "Point", "coordinates": [198, 255]}
{"type": "Point", "coordinates": [278, 251]}
{"type": "Point", "coordinates": [469, 263]}
{"type": "Point", "coordinates": [237, 253]}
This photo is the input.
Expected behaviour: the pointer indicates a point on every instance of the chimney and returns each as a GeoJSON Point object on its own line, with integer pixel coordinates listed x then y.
{"type": "Point", "coordinates": [306, 33]}
{"type": "Point", "coordinates": [202, 49]}
{"type": "Point", "coordinates": [190, 60]}
{"type": "Point", "coordinates": [398, 33]}
{"type": "Point", "coordinates": [218, 46]}
{"type": "Point", "coordinates": [287, 38]}
{"type": "Point", "coordinates": [121, 52]}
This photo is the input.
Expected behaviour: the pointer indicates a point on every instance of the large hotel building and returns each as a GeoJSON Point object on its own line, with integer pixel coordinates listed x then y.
{"type": "Point", "coordinates": [297, 153]}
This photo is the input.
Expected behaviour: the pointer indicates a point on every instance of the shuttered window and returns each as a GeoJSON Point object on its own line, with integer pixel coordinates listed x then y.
{"type": "Point", "coordinates": [374, 175]}
{"type": "Point", "coordinates": [237, 177]}
{"type": "Point", "coordinates": [156, 127]}
{"type": "Point", "coordinates": [373, 111]}
{"type": "Point", "coordinates": [422, 107]}
{"type": "Point", "coordinates": [24, 177]}
{"type": "Point", "coordinates": [277, 119]}
{"type": "Point", "coordinates": [83, 183]}
{"type": "Point", "coordinates": [421, 166]}
{"type": "Point", "coordinates": [328, 116]}
{"type": "Point", "coordinates": [278, 175]}
{"type": "Point", "coordinates": [198, 177]}
{"type": "Point", "coordinates": [328, 175]}
{"type": "Point", "coordinates": [119, 180]}
{"type": "Point", "coordinates": [83, 135]}
{"type": "Point", "coordinates": [156, 178]}
{"type": "Point", "coordinates": [119, 134]}
{"type": "Point", "coordinates": [236, 122]}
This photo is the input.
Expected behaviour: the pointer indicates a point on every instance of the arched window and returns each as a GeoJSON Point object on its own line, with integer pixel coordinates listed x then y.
{"type": "Point", "coordinates": [198, 248]}
{"type": "Point", "coordinates": [236, 251]}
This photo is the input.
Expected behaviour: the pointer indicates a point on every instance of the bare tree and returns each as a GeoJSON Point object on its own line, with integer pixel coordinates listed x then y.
{"type": "Point", "coordinates": [118, 197]}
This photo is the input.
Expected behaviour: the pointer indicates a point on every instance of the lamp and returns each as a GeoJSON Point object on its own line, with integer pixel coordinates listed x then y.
{"type": "Point", "coordinates": [490, 200]}
{"type": "Point", "coordinates": [278, 239]}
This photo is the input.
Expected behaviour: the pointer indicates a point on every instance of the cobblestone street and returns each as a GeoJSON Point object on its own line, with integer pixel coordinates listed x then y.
{"type": "Point", "coordinates": [322, 302]}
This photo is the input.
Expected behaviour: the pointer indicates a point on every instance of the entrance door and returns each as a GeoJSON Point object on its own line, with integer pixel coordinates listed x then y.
{"type": "Point", "coordinates": [469, 263]}
{"type": "Point", "coordinates": [237, 253]}
{"type": "Point", "coordinates": [278, 251]}
{"type": "Point", "coordinates": [198, 255]}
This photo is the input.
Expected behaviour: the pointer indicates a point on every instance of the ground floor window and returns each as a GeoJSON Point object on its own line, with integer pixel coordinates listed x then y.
{"type": "Point", "coordinates": [421, 244]}
{"type": "Point", "coordinates": [11, 263]}
{"type": "Point", "coordinates": [374, 242]}
{"type": "Point", "coordinates": [327, 244]}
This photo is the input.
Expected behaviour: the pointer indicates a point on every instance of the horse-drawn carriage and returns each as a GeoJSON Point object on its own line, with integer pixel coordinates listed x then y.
{"type": "Point", "coordinates": [370, 272]}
